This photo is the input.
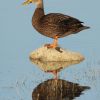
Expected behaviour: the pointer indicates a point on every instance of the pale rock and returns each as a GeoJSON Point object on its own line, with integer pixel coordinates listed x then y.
{"type": "Point", "coordinates": [59, 54]}
{"type": "Point", "coordinates": [54, 59]}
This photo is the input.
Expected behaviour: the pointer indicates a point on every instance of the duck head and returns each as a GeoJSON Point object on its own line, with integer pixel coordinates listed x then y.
{"type": "Point", "coordinates": [31, 1]}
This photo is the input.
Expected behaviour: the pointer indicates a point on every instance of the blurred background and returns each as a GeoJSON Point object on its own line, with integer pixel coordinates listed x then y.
{"type": "Point", "coordinates": [18, 76]}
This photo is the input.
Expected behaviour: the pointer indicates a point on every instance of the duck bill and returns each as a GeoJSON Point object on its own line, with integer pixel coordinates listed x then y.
{"type": "Point", "coordinates": [26, 2]}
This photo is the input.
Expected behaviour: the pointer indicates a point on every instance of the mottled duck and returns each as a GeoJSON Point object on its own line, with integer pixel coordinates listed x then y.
{"type": "Point", "coordinates": [54, 25]}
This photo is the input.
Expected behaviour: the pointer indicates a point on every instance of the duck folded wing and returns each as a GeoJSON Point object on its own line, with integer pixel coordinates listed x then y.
{"type": "Point", "coordinates": [56, 19]}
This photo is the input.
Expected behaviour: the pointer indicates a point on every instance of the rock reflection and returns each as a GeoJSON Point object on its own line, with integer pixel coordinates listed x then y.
{"type": "Point", "coordinates": [54, 65]}
{"type": "Point", "coordinates": [57, 90]}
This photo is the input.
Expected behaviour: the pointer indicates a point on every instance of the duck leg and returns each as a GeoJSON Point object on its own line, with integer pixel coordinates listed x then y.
{"type": "Point", "coordinates": [54, 44]}
{"type": "Point", "coordinates": [55, 74]}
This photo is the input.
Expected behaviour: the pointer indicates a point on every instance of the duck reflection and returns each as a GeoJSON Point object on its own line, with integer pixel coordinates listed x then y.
{"type": "Point", "coordinates": [57, 90]}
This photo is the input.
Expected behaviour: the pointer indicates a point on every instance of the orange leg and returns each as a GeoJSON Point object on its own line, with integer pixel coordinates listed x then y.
{"type": "Point", "coordinates": [55, 74]}
{"type": "Point", "coordinates": [54, 44]}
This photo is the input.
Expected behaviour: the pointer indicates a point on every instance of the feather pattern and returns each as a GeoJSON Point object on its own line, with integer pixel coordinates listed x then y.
{"type": "Point", "coordinates": [54, 24]}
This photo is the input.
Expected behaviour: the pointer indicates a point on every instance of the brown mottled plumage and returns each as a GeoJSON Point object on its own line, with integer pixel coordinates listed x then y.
{"type": "Point", "coordinates": [54, 25]}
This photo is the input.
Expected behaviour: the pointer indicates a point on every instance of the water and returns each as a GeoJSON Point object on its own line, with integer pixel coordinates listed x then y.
{"type": "Point", "coordinates": [22, 86]}
{"type": "Point", "coordinates": [18, 76]}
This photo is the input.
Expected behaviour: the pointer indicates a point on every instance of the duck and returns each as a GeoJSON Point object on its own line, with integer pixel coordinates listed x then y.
{"type": "Point", "coordinates": [54, 25]}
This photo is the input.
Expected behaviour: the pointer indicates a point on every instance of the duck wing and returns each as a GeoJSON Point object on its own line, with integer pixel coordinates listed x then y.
{"type": "Point", "coordinates": [60, 20]}
{"type": "Point", "coordinates": [59, 24]}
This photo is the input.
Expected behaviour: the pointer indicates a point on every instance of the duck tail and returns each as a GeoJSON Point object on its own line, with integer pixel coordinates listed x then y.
{"type": "Point", "coordinates": [86, 27]}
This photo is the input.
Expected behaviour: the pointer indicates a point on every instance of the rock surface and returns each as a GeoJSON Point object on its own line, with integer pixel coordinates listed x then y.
{"type": "Point", "coordinates": [54, 59]}
{"type": "Point", "coordinates": [58, 54]}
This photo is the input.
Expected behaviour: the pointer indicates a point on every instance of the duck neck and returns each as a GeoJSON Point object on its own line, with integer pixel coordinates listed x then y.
{"type": "Point", "coordinates": [40, 4]}
{"type": "Point", "coordinates": [39, 12]}
{"type": "Point", "coordinates": [40, 8]}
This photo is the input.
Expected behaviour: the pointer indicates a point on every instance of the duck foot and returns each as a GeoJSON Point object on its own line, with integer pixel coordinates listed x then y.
{"type": "Point", "coordinates": [54, 44]}
{"type": "Point", "coordinates": [50, 46]}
